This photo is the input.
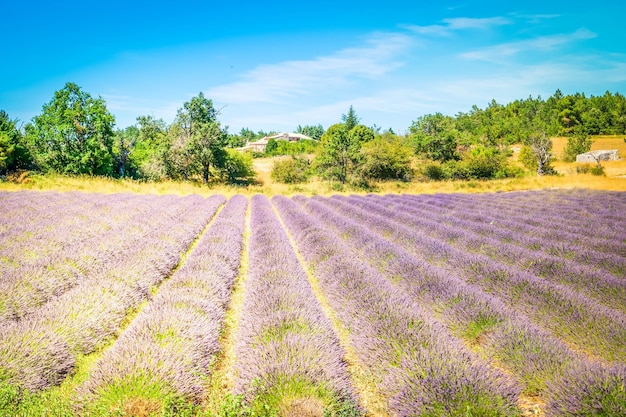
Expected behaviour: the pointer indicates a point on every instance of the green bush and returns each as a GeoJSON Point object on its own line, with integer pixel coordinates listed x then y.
{"type": "Point", "coordinates": [483, 163]}
{"type": "Point", "coordinates": [434, 171]}
{"type": "Point", "coordinates": [578, 143]}
{"type": "Point", "coordinates": [479, 163]}
{"type": "Point", "coordinates": [293, 170]}
{"type": "Point", "coordinates": [238, 167]}
{"type": "Point", "coordinates": [385, 159]}
{"type": "Point", "coordinates": [527, 158]}
{"type": "Point", "coordinates": [590, 169]}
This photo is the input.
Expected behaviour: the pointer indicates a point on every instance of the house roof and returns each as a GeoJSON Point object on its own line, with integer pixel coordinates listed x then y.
{"type": "Point", "coordinates": [288, 136]}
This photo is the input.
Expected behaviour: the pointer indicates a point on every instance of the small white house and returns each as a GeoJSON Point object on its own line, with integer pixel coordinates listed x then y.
{"type": "Point", "coordinates": [261, 144]}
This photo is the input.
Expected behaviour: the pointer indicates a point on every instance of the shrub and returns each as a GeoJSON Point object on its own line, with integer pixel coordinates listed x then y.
{"type": "Point", "coordinates": [527, 158]}
{"type": "Point", "coordinates": [238, 167]}
{"type": "Point", "coordinates": [434, 171]}
{"type": "Point", "coordinates": [590, 169]}
{"type": "Point", "coordinates": [293, 170]}
{"type": "Point", "coordinates": [482, 162]}
{"type": "Point", "coordinates": [385, 159]}
{"type": "Point", "coordinates": [578, 143]}
{"type": "Point", "coordinates": [479, 163]}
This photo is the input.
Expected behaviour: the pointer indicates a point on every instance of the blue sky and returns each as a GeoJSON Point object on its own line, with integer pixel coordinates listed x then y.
{"type": "Point", "coordinates": [275, 65]}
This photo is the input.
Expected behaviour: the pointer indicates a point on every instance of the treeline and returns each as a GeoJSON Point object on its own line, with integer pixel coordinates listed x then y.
{"type": "Point", "coordinates": [75, 134]}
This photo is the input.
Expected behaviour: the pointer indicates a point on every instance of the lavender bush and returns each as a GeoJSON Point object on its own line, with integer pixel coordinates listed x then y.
{"type": "Point", "coordinates": [590, 390]}
{"type": "Point", "coordinates": [531, 354]}
{"type": "Point", "coordinates": [167, 350]}
{"type": "Point", "coordinates": [286, 349]}
{"type": "Point", "coordinates": [561, 310]}
{"type": "Point", "coordinates": [89, 314]}
{"type": "Point", "coordinates": [417, 362]}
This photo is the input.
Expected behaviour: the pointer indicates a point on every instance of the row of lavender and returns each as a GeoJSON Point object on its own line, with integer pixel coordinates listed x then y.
{"type": "Point", "coordinates": [582, 321]}
{"type": "Point", "coordinates": [68, 240]}
{"type": "Point", "coordinates": [286, 349]}
{"type": "Point", "coordinates": [418, 365]}
{"type": "Point", "coordinates": [584, 218]}
{"type": "Point", "coordinates": [440, 327]}
{"type": "Point", "coordinates": [39, 349]}
{"type": "Point", "coordinates": [167, 350]}
{"type": "Point", "coordinates": [514, 317]}
{"type": "Point", "coordinates": [561, 251]}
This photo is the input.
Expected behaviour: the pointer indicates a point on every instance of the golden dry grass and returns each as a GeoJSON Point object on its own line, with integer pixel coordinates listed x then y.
{"type": "Point", "coordinates": [614, 180]}
{"type": "Point", "coordinates": [611, 168]}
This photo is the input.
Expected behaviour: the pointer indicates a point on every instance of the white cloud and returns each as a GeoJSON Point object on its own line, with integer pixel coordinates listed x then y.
{"type": "Point", "coordinates": [496, 53]}
{"type": "Point", "coordinates": [459, 23]}
{"type": "Point", "coordinates": [272, 83]}
{"type": "Point", "coordinates": [476, 23]}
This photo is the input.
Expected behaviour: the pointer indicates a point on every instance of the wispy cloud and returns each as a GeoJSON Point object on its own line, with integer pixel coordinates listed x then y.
{"type": "Point", "coordinates": [496, 53]}
{"type": "Point", "coordinates": [272, 83]}
{"type": "Point", "coordinates": [476, 23]}
{"type": "Point", "coordinates": [451, 25]}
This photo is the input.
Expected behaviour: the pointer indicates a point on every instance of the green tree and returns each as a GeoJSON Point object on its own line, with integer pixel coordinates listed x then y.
{"type": "Point", "coordinates": [579, 142]}
{"type": "Point", "coordinates": [385, 158]}
{"type": "Point", "coordinates": [124, 143]}
{"type": "Point", "coordinates": [150, 149]}
{"type": "Point", "coordinates": [338, 155]}
{"type": "Point", "coordinates": [434, 135]}
{"type": "Point", "coordinates": [314, 132]}
{"type": "Point", "coordinates": [13, 152]}
{"type": "Point", "coordinates": [206, 148]}
{"type": "Point", "coordinates": [350, 119]}
{"type": "Point", "coordinates": [271, 147]}
{"type": "Point", "coordinates": [483, 162]}
{"type": "Point", "coordinates": [238, 167]}
{"type": "Point", "coordinates": [73, 134]}
{"type": "Point", "coordinates": [197, 141]}
{"type": "Point", "coordinates": [361, 134]}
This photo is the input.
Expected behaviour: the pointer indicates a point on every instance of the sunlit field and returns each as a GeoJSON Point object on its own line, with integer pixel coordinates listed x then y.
{"type": "Point", "coordinates": [450, 298]}
{"type": "Point", "coordinates": [128, 304]}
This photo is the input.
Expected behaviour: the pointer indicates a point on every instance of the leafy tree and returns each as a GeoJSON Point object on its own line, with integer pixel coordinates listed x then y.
{"type": "Point", "coordinates": [271, 147]}
{"type": "Point", "coordinates": [361, 134]}
{"type": "Point", "coordinates": [579, 142]}
{"type": "Point", "coordinates": [206, 148]}
{"type": "Point", "coordinates": [150, 149]}
{"type": "Point", "coordinates": [13, 152]}
{"type": "Point", "coordinates": [483, 162]}
{"type": "Point", "coordinates": [197, 142]}
{"type": "Point", "coordinates": [350, 119]}
{"type": "Point", "coordinates": [338, 155]}
{"type": "Point", "coordinates": [6, 151]}
{"type": "Point", "coordinates": [124, 143]}
{"type": "Point", "coordinates": [385, 158]}
{"type": "Point", "coordinates": [434, 135]}
{"type": "Point", "coordinates": [238, 167]}
{"type": "Point", "coordinates": [74, 134]}
{"type": "Point", "coordinates": [314, 132]}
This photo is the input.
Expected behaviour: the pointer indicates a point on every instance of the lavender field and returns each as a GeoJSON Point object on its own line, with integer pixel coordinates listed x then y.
{"type": "Point", "coordinates": [508, 304]}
